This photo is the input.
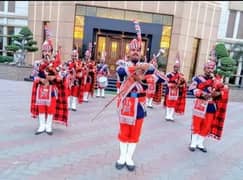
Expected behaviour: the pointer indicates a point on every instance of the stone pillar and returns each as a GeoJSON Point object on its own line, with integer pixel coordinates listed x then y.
{"type": "Point", "coordinates": [5, 42]}
{"type": "Point", "coordinates": [237, 79]}
{"type": "Point", "coordinates": [226, 80]}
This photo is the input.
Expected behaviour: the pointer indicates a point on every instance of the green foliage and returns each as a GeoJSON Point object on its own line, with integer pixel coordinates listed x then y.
{"type": "Point", "coordinates": [25, 31]}
{"type": "Point", "coordinates": [221, 51]}
{"type": "Point", "coordinates": [6, 59]}
{"type": "Point", "coordinates": [23, 41]}
{"type": "Point", "coordinates": [226, 66]}
{"type": "Point", "coordinates": [12, 48]}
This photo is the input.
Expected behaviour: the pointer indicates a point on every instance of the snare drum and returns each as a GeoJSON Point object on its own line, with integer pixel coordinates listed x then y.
{"type": "Point", "coordinates": [103, 82]}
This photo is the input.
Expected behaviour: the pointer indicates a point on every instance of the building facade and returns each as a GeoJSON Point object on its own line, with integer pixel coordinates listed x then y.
{"type": "Point", "coordinates": [13, 16]}
{"type": "Point", "coordinates": [231, 34]}
{"type": "Point", "coordinates": [188, 28]}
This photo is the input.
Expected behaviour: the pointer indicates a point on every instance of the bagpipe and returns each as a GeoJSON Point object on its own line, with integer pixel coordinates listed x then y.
{"type": "Point", "coordinates": [214, 85]}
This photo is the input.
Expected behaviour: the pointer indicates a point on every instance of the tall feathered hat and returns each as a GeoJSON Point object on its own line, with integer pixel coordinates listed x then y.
{"type": "Point", "coordinates": [74, 54]}
{"type": "Point", "coordinates": [212, 54]}
{"type": "Point", "coordinates": [47, 45]}
{"type": "Point", "coordinates": [89, 50]}
{"type": "Point", "coordinates": [177, 60]}
{"type": "Point", "coordinates": [136, 43]}
{"type": "Point", "coordinates": [210, 64]}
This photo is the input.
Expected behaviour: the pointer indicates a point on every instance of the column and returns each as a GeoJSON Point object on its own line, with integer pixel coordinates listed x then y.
{"type": "Point", "coordinates": [239, 68]}
{"type": "Point", "coordinates": [237, 21]}
{"type": "Point", "coordinates": [5, 33]}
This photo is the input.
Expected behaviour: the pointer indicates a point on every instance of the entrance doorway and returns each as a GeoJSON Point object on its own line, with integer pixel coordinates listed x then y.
{"type": "Point", "coordinates": [195, 51]}
{"type": "Point", "coordinates": [116, 47]}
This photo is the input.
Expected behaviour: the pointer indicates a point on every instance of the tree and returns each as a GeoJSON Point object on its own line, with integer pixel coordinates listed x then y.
{"type": "Point", "coordinates": [22, 43]}
{"type": "Point", "coordinates": [226, 66]}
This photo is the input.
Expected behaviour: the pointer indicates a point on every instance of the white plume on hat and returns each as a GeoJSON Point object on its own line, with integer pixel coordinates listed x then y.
{"type": "Point", "coordinates": [177, 60]}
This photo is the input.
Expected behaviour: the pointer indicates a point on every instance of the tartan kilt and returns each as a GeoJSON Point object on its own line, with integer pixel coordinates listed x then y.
{"type": "Point", "coordinates": [93, 82]}
{"type": "Point", "coordinates": [158, 93]}
{"type": "Point", "coordinates": [181, 102]}
{"type": "Point", "coordinates": [81, 93]}
{"type": "Point", "coordinates": [218, 122]}
{"type": "Point", "coordinates": [61, 114]}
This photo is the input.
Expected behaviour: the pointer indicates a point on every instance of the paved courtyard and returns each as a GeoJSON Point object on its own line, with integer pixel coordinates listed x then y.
{"type": "Point", "coordinates": [88, 150]}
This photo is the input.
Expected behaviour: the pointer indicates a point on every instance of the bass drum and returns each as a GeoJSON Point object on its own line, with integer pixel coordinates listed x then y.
{"type": "Point", "coordinates": [102, 81]}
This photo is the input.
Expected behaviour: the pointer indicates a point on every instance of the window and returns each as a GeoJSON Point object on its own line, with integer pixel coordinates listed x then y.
{"type": "Point", "coordinates": [231, 24]}
{"type": "Point", "coordinates": [91, 11]}
{"type": "Point", "coordinates": [116, 14]}
{"type": "Point", "coordinates": [195, 50]}
{"type": "Point", "coordinates": [240, 28]}
{"type": "Point", "coordinates": [2, 6]}
{"type": "Point", "coordinates": [80, 10]}
{"type": "Point", "coordinates": [10, 33]}
{"type": "Point", "coordinates": [123, 15]}
{"type": "Point", "coordinates": [1, 39]}
{"type": "Point", "coordinates": [78, 33]}
{"type": "Point", "coordinates": [11, 6]}
{"type": "Point", "coordinates": [103, 12]}
{"type": "Point", "coordinates": [165, 44]}
{"type": "Point", "coordinates": [157, 19]}
{"type": "Point", "coordinates": [165, 38]}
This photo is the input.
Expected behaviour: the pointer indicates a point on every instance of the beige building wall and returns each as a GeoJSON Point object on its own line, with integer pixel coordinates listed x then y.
{"type": "Point", "coordinates": [61, 17]}
{"type": "Point", "coordinates": [191, 19]}
{"type": "Point", "coordinates": [236, 5]}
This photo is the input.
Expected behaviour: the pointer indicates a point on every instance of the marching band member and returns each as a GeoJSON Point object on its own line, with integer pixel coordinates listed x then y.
{"type": "Point", "coordinates": [102, 74]}
{"type": "Point", "coordinates": [74, 79]}
{"type": "Point", "coordinates": [153, 92]}
{"type": "Point", "coordinates": [131, 104]}
{"type": "Point", "coordinates": [175, 95]}
{"type": "Point", "coordinates": [49, 98]}
{"type": "Point", "coordinates": [209, 109]}
{"type": "Point", "coordinates": [89, 76]}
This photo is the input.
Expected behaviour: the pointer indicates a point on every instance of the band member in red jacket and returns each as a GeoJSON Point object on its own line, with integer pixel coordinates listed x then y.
{"type": "Point", "coordinates": [209, 109]}
{"type": "Point", "coordinates": [89, 76]}
{"type": "Point", "coordinates": [74, 80]}
{"type": "Point", "coordinates": [175, 95]}
{"type": "Point", "coordinates": [49, 97]}
{"type": "Point", "coordinates": [131, 104]}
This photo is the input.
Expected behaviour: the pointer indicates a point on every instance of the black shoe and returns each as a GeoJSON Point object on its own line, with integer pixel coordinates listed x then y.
{"type": "Point", "coordinates": [130, 167]}
{"type": "Point", "coordinates": [192, 149]}
{"type": "Point", "coordinates": [120, 166]}
{"type": "Point", "coordinates": [49, 133]}
{"type": "Point", "coordinates": [202, 149]}
{"type": "Point", "coordinates": [74, 109]}
{"type": "Point", "coordinates": [37, 133]}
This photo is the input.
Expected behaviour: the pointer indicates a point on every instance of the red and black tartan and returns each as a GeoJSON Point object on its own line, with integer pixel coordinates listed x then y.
{"type": "Point", "coordinates": [94, 84]}
{"type": "Point", "coordinates": [181, 101]}
{"type": "Point", "coordinates": [158, 93]}
{"type": "Point", "coordinates": [218, 122]}
{"type": "Point", "coordinates": [61, 114]}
